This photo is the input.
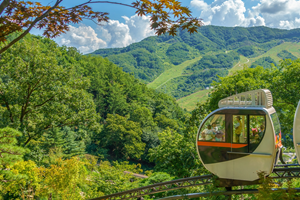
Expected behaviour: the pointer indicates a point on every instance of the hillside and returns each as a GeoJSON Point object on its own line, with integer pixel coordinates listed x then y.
{"type": "Point", "coordinates": [188, 63]}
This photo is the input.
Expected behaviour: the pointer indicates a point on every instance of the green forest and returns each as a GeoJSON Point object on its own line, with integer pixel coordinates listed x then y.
{"type": "Point", "coordinates": [71, 124]}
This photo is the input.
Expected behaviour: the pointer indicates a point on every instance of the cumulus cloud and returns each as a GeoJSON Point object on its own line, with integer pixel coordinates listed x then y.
{"type": "Point", "coordinates": [221, 12]}
{"type": "Point", "coordinates": [279, 13]}
{"type": "Point", "coordinates": [272, 7]}
{"type": "Point", "coordinates": [272, 13]}
{"type": "Point", "coordinates": [139, 27]}
{"type": "Point", "coordinates": [116, 34]}
{"type": "Point", "coordinates": [112, 34]}
{"type": "Point", "coordinates": [84, 38]}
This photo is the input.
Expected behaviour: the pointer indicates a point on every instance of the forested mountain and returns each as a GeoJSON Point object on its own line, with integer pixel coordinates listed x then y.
{"type": "Point", "coordinates": [214, 49]}
{"type": "Point", "coordinates": [70, 123]}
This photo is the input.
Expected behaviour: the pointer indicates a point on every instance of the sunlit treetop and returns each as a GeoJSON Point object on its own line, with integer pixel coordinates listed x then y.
{"type": "Point", "coordinates": [166, 16]}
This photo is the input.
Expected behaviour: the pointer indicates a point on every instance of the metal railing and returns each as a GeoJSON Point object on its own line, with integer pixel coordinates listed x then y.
{"type": "Point", "coordinates": [279, 172]}
{"type": "Point", "coordinates": [160, 187]}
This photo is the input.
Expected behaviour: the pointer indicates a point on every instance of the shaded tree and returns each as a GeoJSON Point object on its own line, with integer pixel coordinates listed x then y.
{"type": "Point", "coordinates": [38, 93]}
{"type": "Point", "coordinates": [123, 137]}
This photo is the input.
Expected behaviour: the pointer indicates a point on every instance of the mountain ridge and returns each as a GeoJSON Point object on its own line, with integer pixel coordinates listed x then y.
{"type": "Point", "coordinates": [211, 52]}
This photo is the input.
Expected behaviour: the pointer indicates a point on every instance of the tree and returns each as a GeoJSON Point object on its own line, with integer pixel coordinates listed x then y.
{"type": "Point", "coordinates": [62, 179]}
{"type": "Point", "coordinates": [123, 137]}
{"type": "Point", "coordinates": [176, 155]}
{"type": "Point", "coordinates": [110, 178]}
{"type": "Point", "coordinates": [38, 93]}
{"type": "Point", "coordinates": [241, 81]}
{"type": "Point", "coordinates": [26, 182]}
{"type": "Point", "coordinates": [10, 152]}
{"type": "Point", "coordinates": [284, 88]}
{"type": "Point", "coordinates": [21, 17]}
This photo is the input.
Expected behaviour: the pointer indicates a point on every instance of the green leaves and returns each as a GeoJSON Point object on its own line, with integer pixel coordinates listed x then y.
{"type": "Point", "coordinates": [176, 155]}
{"type": "Point", "coordinates": [10, 153]}
{"type": "Point", "coordinates": [123, 137]}
{"type": "Point", "coordinates": [38, 93]}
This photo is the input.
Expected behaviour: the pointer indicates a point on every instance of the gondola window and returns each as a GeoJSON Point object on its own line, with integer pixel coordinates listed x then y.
{"type": "Point", "coordinates": [240, 129]}
{"type": "Point", "coordinates": [257, 126]}
{"type": "Point", "coordinates": [213, 129]}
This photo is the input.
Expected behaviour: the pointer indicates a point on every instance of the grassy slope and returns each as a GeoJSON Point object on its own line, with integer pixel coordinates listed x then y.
{"type": "Point", "coordinates": [293, 48]}
{"type": "Point", "coordinates": [239, 65]}
{"type": "Point", "coordinates": [169, 74]}
{"type": "Point", "coordinates": [189, 102]}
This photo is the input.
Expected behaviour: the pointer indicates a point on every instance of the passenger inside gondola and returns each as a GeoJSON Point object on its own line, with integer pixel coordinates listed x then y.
{"type": "Point", "coordinates": [209, 134]}
{"type": "Point", "coordinates": [219, 137]}
{"type": "Point", "coordinates": [261, 130]}
{"type": "Point", "coordinates": [214, 127]}
{"type": "Point", "coordinates": [257, 128]}
{"type": "Point", "coordinates": [238, 128]}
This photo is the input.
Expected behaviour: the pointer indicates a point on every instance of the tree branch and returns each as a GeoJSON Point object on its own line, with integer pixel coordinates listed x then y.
{"type": "Point", "coordinates": [44, 102]}
{"type": "Point", "coordinates": [23, 112]}
{"type": "Point", "coordinates": [3, 5]}
{"type": "Point", "coordinates": [29, 138]}
{"type": "Point", "coordinates": [110, 2]}
{"type": "Point", "coordinates": [30, 27]}
{"type": "Point", "coordinates": [8, 108]}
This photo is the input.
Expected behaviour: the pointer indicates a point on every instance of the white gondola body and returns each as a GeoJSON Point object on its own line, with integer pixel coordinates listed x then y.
{"type": "Point", "coordinates": [249, 164]}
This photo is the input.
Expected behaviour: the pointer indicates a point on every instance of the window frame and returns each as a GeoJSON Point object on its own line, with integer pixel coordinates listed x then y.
{"type": "Point", "coordinates": [203, 126]}
{"type": "Point", "coordinates": [229, 112]}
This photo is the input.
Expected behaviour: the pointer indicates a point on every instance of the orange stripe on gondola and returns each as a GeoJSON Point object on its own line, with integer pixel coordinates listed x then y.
{"type": "Point", "coordinates": [221, 144]}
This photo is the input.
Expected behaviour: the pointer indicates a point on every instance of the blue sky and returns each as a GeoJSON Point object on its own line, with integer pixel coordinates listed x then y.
{"type": "Point", "coordinates": [125, 27]}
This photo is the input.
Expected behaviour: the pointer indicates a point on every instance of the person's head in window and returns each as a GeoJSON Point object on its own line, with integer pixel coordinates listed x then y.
{"type": "Point", "coordinates": [262, 128]}
{"type": "Point", "coordinates": [214, 126]}
{"type": "Point", "coordinates": [219, 136]}
{"type": "Point", "coordinates": [254, 131]}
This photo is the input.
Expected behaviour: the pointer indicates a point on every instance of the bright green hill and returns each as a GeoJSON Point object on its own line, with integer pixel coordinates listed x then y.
{"type": "Point", "coordinates": [189, 102]}
{"type": "Point", "coordinates": [188, 63]}
{"type": "Point", "coordinates": [169, 74]}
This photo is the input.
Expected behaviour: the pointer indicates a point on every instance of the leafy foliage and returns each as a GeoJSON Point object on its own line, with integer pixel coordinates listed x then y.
{"type": "Point", "coordinates": [246, 51]}
{"type": "Point", "coordinates": [222, 60]}
{"type": "Point", "coordinates": [284, 54]}
{"type": "Point", "coordinates": [123, 137]}
{"type": "Point", "coordinates": [265, 62]}
{"type": "Point", "coordinates": [178, 52]}
{"type": "Point", "coordinates": [35, 86]}
{"type": "Point", "coordinates": [176, 155]}
{"type": "Point", "coordinates": [10, 153]}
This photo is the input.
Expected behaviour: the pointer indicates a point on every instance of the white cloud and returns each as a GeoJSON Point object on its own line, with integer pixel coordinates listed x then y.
{"type": "Point", "coordinates": [279, 13]}
{"type": "Point", "coordinates": [112, 34]}
{"type": "Point", "coordinates": [271, 13]}
{"type": "Point", "coordinates": [201, 5]}
{"type": "Point", "coordinates": [221, 12]}
{"type": "Point", "coordinates": [133, 30]}
{"type": "Point", "coordinates": [84, 38]}
{"type": "Point", "coordinates": [116, 34]}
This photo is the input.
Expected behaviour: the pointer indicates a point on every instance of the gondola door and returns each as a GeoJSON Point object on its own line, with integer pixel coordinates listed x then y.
{"type": "Point", "coordinates": [296, 132]}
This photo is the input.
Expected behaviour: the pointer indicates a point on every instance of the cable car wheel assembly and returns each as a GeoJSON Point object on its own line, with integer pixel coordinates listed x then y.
{"type": "Point", "coordinates": [235, 142]}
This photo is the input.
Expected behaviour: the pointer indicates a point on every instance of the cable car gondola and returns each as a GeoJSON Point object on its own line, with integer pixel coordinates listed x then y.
{"type": "Point", "coordinates": [242, 137]}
